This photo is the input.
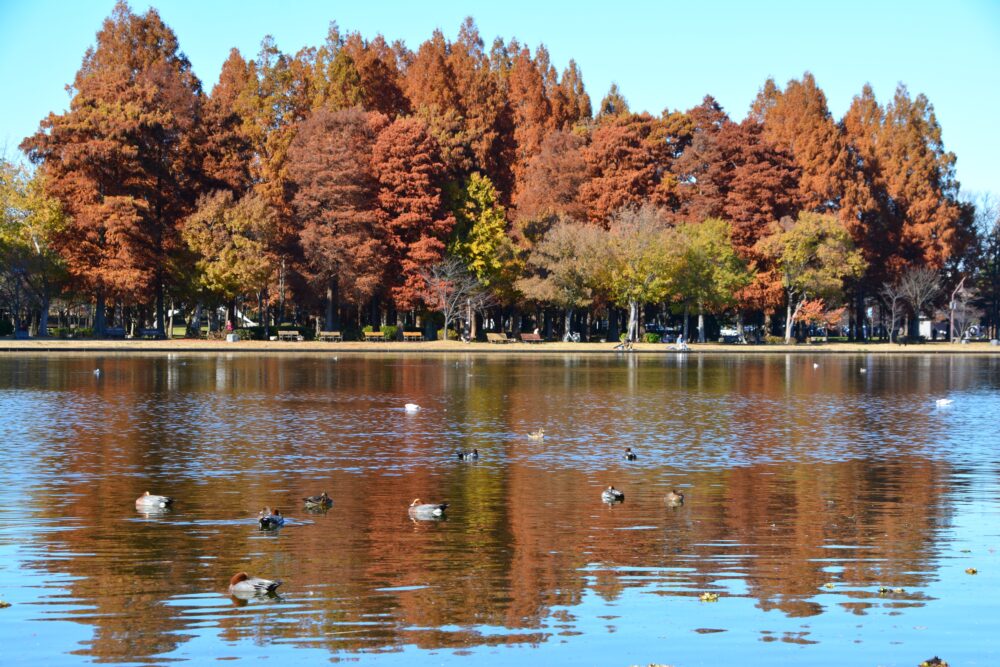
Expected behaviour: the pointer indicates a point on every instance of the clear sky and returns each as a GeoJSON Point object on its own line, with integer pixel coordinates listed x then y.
{"type": "Point", "coordinates": [661, 54]}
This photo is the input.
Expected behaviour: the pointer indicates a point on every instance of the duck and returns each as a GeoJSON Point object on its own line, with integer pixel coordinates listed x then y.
{"type": "Point", "coordinates": [630, 455]}
{"type": "Point", "coordinates": [468, 456]}
{"type": "Point", "coordinates": [425, 511]}
{"type": "Point", "coordinates": [322, 501]}
{"type": "Point", "coordinates": [411, 407]}
{"type": "Point", "coordinates": [152, 501]}
{"type": "Point", "coordinates": [943, 402]}
{"type": "Point", "coordinates": [612, 495]}
{"type": "Point", "coordinates": [537, 435]}
{"type": "Point", "coordinates": [674, 498]}
{"type": "Point", "coordinates": [271, 519]}
{"type": "Point", "coordinates": [243, 585]}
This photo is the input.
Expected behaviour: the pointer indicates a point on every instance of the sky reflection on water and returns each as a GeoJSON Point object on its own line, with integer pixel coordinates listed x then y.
{"type": "Point", "coordinates": [806, 491]}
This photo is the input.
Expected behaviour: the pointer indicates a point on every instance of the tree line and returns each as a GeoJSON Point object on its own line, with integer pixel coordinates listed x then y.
{"type": "Point", "coordinates": [364, 183]}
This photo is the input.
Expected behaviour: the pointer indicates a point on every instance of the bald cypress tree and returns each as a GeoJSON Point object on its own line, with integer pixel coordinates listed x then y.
{"type": "Point", "coordinates": [124, 160]}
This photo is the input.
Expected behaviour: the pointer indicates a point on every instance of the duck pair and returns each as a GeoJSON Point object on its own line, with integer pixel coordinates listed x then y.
{"type": "Point", "coordinates": [611, 495]}
{"type": "Point", "coordinates": [468, 456]}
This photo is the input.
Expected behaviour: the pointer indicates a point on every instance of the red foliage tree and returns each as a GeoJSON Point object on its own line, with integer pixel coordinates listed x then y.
{"type": "Point", "coordinates": [124, 159]}
{"type": "Point", "coordinates": [624, 162]}
{"type": "Point", "coordinates": [335, 201]}
{"type": "Point", "coordinates": [410, 175]}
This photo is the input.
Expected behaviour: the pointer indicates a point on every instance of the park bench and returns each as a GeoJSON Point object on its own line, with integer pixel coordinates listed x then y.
{"type": "Point", "coordinates": [498, 338]}
{"type": "Point", "coordinates": [374, 335]}
{"type": "Point", "coordinates": [289, 334]}
{"type": "Point", "coordinates": [156, 334]}
{"type": "Point", "coordinates": [330, 336]}
{"type": "Point", "coordinates": [531, 338]}
{"type": "Point", "coordinates": [413, 335]}
{"type": "Point", "coordinates": [114, 332]}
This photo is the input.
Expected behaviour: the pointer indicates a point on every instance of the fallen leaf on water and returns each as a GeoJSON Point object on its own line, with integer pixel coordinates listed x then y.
{"type": "Point", "coordinates": [971, 570]}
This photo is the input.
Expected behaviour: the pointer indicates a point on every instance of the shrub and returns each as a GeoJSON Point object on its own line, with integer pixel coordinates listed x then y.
{"type": "Point", "coordinates": [390, 331]}
{"type": "Point", "coordinates": [452, 334]}
{"type": "Point", "coordinates": [82, 332]}
{"type": "Point", "coordinates": [367, 328]}
{"type": "Point", "coordinates": [244, 334]}
{"type": "Point", "coordinates": [651, 338]}
{"type": "Point", "coordinates": [622, 337]}
{"type": "Point", "coordinates": [6, 327]}
{"type": "Point", "coordinates": [775, 340]}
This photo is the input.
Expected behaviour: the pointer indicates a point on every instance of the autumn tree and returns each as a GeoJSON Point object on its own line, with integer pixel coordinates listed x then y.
{"type": "Point", "coordinates": [448, 287]}
{"type": "Point", "coordinates": [702, 169]}
{"type": "Point", "coordinates": [412, 210]}
{"type": "Point", "coordinates": [814, 254]}
{"type": "Point", "coordinates": [121, 160]}
{"type": "Point", "coordinates": [551, 186]}
{"type": "Point", "coordinates": [623, 162]}
{"type": "Point", "coordinates": [335, 200]}
{"type": "Point", "coordinates": [762, 187]}
{"type": "Point", "coordinates": [797, 121]}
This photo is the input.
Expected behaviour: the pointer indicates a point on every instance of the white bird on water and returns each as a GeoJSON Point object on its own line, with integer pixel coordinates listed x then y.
{"type": "Point", "coordinates": [412, 407]}
{"type": "Point", "coordinates": [943, 402]}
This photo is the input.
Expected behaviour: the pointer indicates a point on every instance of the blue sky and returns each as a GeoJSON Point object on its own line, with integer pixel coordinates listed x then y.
{"type": "Point", "coordinates": [662, 54]}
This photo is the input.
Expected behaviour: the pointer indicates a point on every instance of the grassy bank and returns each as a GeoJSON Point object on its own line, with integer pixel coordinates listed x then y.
{"type": "Point", "coordinates": [194, 345]}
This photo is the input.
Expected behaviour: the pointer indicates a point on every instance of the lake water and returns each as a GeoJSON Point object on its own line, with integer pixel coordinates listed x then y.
{"type": "Point", "coordinates": [809, 485]}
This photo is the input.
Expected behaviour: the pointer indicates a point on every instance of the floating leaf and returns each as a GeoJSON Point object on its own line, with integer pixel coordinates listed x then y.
{"type": "Point", "coordinates": [971, 570]}
{"type": "Point", "coordinates": [709, 597]}
{"type": "Point", "coordinates": [4, 604]}
{"type": "Point", "coordinates": [934, 662]}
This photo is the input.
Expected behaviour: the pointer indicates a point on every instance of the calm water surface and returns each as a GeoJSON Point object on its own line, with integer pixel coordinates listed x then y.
{"type": "Point", "coordinates": [808, 488]}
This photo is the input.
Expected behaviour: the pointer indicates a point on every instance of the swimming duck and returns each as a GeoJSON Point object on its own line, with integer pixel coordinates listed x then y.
{"type": "Point", "coordinates": [612, 495]}
{"type": "Point", "coordinates": [243, 585]}
{"type": "Point", "coordinates": [269, 520]}
{"type": "Point", "coordinates": [537, 435]}
{"type": "Point", "coordinates": [152, 501]}
{"type": "Point", "coordinates": [468, 456]}
{"type": "Point", "coordinates": [412, 407]}
{"type": "Point", "coordinates": [425, 511]}
{"type": "Point", "coordinates": [944, 402]}
{"type": "Point", "coordinates": [674, 498]}
{"type": "Point", "coordinates": [630, 455]}
{"type": "Point", "coordinates": [322, 501]}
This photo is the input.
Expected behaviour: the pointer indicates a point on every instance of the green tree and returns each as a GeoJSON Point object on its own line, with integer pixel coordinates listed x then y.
{"type": "Point", "coordinates": [31, 269]}
{"type": "Point", "coordinates": [480, 237]}
{"type": "Point", "coordinates": [708, 273]}
{"type": "Point", "coordinates": [814, 254]}
{"type": "Point", "coordinates": [563, 267]}
{"type": "Point", "coordinates": [637, 261]}
{"type": "Point", "coordinates": [232, 241]}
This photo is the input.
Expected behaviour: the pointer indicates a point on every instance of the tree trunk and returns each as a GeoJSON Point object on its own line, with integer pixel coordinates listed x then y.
{"type": "Point", "coordinates": [687, 309]}
{"type": "Point", "coordinates": [170, 321]}
{"type": "Point", "coordinates": [633, 321]}
{"type": "Point", "coordinates": [789, 321]}
{"type": "Point", "coordinates": [43, 314]}
{"type": "Point", "coordinates": [567, 324]}
{"type": "Point", "coordinates": [329, 306]}
{"type": "Point", "coordinates": [100, 325]}
{"type": "Point", "coordinates": [701, 323]}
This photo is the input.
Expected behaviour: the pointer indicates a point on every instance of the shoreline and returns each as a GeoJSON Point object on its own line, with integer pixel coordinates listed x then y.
{"type": "Point", "coordinates": [188, 345]}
